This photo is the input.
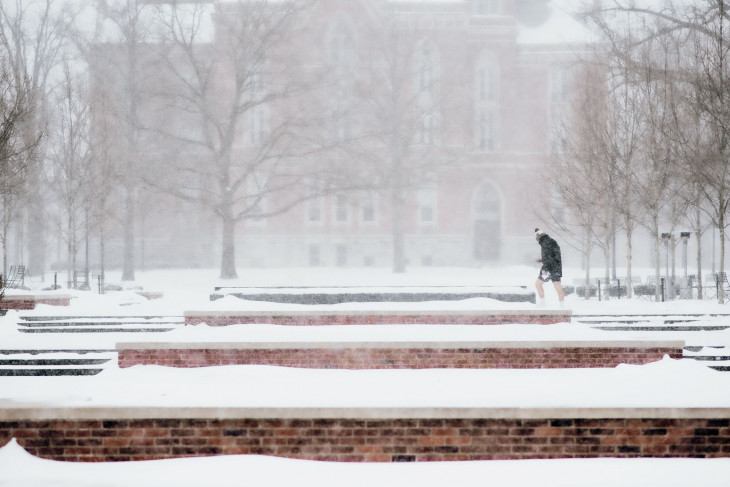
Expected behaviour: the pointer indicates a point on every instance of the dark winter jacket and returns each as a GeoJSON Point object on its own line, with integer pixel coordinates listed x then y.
{"type": "Point", "coordinates": [551, 259]}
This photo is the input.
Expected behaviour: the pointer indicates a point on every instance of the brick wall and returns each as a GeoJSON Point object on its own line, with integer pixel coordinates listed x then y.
{"type": "Point", "coordinates": [395, 358]}
{"type": "Point", "coordinates": [370, 440]}
{"type": "Point", "coordinates": [29, 302]}
{"type": "Point", "coordinates": [17, 303]}
{"type": "Point", "coordinates": [194, 318]}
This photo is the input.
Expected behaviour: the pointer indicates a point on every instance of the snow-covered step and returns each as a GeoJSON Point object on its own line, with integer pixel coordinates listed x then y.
{"type": "Point", "coordinates": [373, 294]}
{"type": "Point", "coordinates": [27, 363]}
{"type": "Point", "coordinates": [656, 322]}
{"type": "Point", "coordinates": [98, 324]}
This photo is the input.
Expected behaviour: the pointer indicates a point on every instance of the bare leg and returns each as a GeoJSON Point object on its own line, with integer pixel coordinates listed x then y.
{"type": "Point", "coordinates": [559, 289]}
{"type": "Point", "coordinates": [540, 290]}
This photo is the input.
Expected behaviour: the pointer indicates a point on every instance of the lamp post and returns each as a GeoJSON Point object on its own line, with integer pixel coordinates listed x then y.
{"type": "Point", "coordinates": [685, 238]}
{"type": "Point", "coordinates": [666, 237]}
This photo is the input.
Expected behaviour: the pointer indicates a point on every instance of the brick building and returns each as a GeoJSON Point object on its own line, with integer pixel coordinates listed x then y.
{"type": "Point", "coordinates": [501, 71]}
{"type": "Point", "coordinates": [489, 82]}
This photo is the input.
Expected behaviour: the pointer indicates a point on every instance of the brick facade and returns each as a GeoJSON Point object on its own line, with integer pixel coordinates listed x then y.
{"type": "Point", "coordinates": [398, 358]}
{"type": "Point", "coordinates": [370, 440]}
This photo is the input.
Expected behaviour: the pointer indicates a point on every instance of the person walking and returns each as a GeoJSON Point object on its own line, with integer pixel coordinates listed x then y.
{"type": "Point", "coordinates": [552, 267]}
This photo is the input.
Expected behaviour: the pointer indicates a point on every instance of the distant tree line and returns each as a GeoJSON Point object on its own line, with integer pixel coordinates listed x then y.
{"type": "Point", "coordinates": [647, 144]}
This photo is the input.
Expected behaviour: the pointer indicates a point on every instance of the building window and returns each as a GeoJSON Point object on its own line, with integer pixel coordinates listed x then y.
{"type": "Point", "coordinates": [486, 106]}
{"type": "Point", "coordinates": [427, 199]}
{"type": "Point", "coordinates": [256, 125]}
{"type": "Point", "coordinates": [427, 69]}
{"type": "Point", "coordinates": [341, 255]}
{"type": "Point", "coordinates": [426, 129]}
{"type": "Point", "coordinates": [257, 85]}
{"type": "Point", "coordinates": [559, 86]}
{"type": "Point", "coordinates": [342, 59]}
{"type": "Point", "coordinates": [315, 203]}
{"type": "Point", "coordinates": [425, 72]}
{"type": "Point", "coordinates": [314, 255]}
{"type": "Point", "coordinates": [486, 79]}
{"type": "Point", "coordinates": [256, 201]}
{"type": "Point", "coordinates": [485, 131]}
{"type": "Point", "coordinates": [342, 209]}
{"type": "Point", "coordinates": [487, 7]}
{"type": "Point", "coordinates": [368, 208]}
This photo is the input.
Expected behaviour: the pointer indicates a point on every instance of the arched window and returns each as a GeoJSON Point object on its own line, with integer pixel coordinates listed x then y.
{"type": "Point", "coordinates": [427, 69]}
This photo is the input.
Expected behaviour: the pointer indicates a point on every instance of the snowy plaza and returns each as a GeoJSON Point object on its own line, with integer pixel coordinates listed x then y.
{"type": "Point", "coordinates": [666, 388]}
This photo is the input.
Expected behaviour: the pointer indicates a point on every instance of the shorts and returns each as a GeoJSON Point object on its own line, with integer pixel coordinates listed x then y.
{"type": "Point", "coordinates": [546, 276]}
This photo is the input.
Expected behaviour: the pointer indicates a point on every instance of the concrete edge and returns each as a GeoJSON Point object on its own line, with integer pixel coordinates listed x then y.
{"type": "Point", "coordinates": [317, 311]}
{"type": "Point", "coordinates": [116, 413]}
{"type": "Point", "coordinates": [9, 297]}
{"type": "Point", "coordinates": [397, 345]}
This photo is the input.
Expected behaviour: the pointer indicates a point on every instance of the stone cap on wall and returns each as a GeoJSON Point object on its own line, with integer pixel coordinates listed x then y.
{"type": "Point", "coordinates": [197, 345]}
{"type": "Point", "coordinates": [324, 311]}
{"type": "Point", "coordinates": [39, 412]}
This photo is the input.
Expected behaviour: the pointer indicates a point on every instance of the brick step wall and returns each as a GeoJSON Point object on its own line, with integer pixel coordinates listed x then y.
{"type": "Point", "coordinates": [370, 317]}
{"type": "Point", "coordinates": [363, 439]}
{"type": "Point", "coordinates": [513, 355]}
{"type": "Point", "coordinates": [28, 301]}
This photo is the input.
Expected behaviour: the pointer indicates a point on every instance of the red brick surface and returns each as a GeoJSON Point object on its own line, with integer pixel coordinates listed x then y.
{"type": "Point", "coordinates": [401, 358]}
{"type": "Point", "coordinates": [394, 319]}
{"type": "Point", "coordinates": [370, 440]}
{"type": "Point", "coordinates": [9, 302]}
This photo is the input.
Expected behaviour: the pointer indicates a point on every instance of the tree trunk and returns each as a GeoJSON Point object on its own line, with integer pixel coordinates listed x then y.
{"type": "Point", "coordinates": [587, 290]}
{"type": "Point", "coordinates": [399, 255]}
{"type": "Point", "coordinates": [673, 280]}
{"type": "Point", "coordinates": [70, 262]}
{"type": "Point", "coordinates": [657, 267]}
{"type": "Point", "coordinates": [607, 273]}
{"type": "Point", "coordinates": [228, 255]}
{"type": "Point", "coordinates": [721, 227]}
{"type": "Point", "coordinates": [629, 255]}
{"type": "Point", "coordinates": [5, 237]}
{"type": "Point", "coordinates": [128, 264]}
{"type": "Point", "coordinates": [698, 233]}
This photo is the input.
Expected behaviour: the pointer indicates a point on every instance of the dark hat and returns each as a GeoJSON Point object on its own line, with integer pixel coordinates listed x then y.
{"type": "Point", "coordinates": [538, 234]}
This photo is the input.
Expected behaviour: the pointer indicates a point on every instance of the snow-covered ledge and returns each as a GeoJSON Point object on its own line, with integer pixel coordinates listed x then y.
{"type": "Point", "coordinates": [508, 344]}
{"type": "Point", "coordinates": [322, 315]}
{"type": "Point", "coordinates": [39, 412]}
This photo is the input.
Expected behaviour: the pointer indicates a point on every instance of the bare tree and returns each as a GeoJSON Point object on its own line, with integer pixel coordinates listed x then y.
{"type": "Point", "coordinates": [36, 34]}
{"type": "Point", "coordinates": [584, 181]}
{"type": "Point", "coordinates": [401, 117]}
{"type": "Point", "coordinates": [69, 171]}
{"type": "Point", "coordinates": [16, 148]}
{"type": "Point", "coordinates": [120, 60]}
{"type": "Point", "coordinates": [105, 151]}
{"type": "Point", "coordinates": [706, 70]}
{"type": "Point", "coordinates": [711, 98]}
{"type": "Point", "coordinates": [240, 162]}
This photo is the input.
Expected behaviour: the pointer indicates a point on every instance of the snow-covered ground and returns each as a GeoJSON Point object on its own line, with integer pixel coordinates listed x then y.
{"type": "Point", "coordinates": [668, 383]}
